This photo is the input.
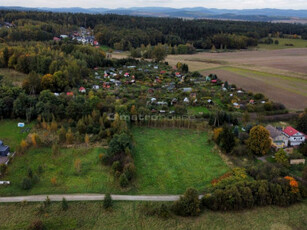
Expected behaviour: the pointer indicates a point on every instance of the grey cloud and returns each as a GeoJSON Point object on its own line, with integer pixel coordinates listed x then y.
{"type": "Point", "coordinates": [226, 4]}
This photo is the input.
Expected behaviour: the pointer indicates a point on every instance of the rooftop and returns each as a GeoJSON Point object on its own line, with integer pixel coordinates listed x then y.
{"type": "Point", "coordinates": [273, 131]}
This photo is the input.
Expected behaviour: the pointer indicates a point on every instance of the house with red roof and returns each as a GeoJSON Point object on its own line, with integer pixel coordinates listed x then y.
{"type": "Point", "coordinates": [82, 90]}
{"type": "Point", "coordinates": [295, 137]}
{"type": "Point", "coordinates": [70, 94]}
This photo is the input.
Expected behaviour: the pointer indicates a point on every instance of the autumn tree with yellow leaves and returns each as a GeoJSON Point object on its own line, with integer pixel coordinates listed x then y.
{"type": "Point", "coordinates": [259, 141]}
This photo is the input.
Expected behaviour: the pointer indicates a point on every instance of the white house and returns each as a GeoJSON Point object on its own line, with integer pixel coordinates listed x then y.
{"type": "Point", "coordinates": [161, 103]}
{"type": "Point", "coordinates": [63, 36]}
{"type": "Point", "coordinates": [153, 100]}
{"type": "Point", "coordinates": [278, 138]}
{"type": "Point", "coordinates": [295, 137]}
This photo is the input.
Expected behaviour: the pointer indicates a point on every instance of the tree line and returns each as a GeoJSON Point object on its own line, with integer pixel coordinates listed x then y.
{"type": "Point", "coordinates": [125, 32]}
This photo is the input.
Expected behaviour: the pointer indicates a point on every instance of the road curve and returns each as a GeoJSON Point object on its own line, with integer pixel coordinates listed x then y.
{"type": "Point", "coordinates": [88, 197]}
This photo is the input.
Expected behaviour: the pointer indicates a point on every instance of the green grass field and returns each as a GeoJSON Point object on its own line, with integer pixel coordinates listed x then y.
{"type": "Point", "coordinates": [105, 48]}
{"type": "Point", "coordinates": [297, 43]}
{"type": "Point", "coordinates": [195, 110]}
{"type": "Point", "coordinates": [10, 134]}
{"type": "Point", "coordinates": [170, 160]}
{"type": "Point", "coordinates": [93, 177]}
{"type": "Point", "coordinates": [129, 215]}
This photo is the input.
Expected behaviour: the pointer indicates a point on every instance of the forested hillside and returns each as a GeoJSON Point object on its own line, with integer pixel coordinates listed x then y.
{"type": "Point", "coordinates": [124, 32]}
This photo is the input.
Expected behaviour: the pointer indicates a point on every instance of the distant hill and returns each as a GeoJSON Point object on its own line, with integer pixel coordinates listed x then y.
{"type": "Point", "coordinates": [193, 13]}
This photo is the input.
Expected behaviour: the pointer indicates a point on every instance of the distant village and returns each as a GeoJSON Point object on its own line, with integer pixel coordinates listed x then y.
{"type": "Point", "coordinates": [83, 36]}
{"type": "Point", "coordinates": [7, 25]}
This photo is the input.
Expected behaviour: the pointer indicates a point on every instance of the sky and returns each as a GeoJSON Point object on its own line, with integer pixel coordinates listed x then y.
{"type": "Point", "coordinates": [222, 4]}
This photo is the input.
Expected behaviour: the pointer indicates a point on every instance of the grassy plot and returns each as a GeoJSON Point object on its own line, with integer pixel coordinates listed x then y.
{"type": "Point", "coordinates": [285, 43]}
{"type": "Point", "coordinates": [105, 48]}
{"type": "Point", "coordinates": [195, 110]}
{"type": "Point", "coordinates": [168, 161]}
{"type": "Point", "coordinates": [11, 76]}
{"type": "Point", "coordinates": [93, 177]}
{"type": "Point", "coordinates": [10, 134]}
{"type": "Point", "coordinates": [129, 215]}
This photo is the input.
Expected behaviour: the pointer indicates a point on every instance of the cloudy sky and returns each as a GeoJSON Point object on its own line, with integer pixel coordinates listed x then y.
{"type": "Point", "coordinates": [223, 4]}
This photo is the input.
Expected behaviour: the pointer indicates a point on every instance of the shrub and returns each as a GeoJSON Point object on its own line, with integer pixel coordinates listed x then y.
{"type": "Point", "coordinates": [129, 170]}
{"type": "Point", "coordinates": [36, 225]}
{"type": "Point", "coordinates": [258, 96]}
{"type": "Point", "coordinates": [155, 209]}
{"type": "Point", "coordinates": [116, 166]}
{"type": "Point", "coordinates": [216, 134]}
{"type": "Point", "coordinates": [69, 137]}
{"type": "Point", "coordinates": [26, 183]}
{"type": "Point", "coordinates": [227, 139]}
{"type": "Point", "coordinates": [62, 135]}
{"type": "Point", "coordinates": [64, 204]}
{"type": "Point", "coordinates": [55, 149]}
{"type": "Point", "coordinates": [3, 169]}
{"type": "Point", "coordinates": [30, 173]}
{"type": "Point", "coordinates": [123, 180]}
{"type": "Point", "coordinates": [281, 157]}
{"type": "Point", "coordinates": [240, 150]}
{"type": "Point", "coordinates": [266, 171]}
{"type": "Point", "coordinates": [243, 136]}
{"type": "Point", "coordinates": [23, 146]}
{"type": "Point", "coordinates": [107, 202]}
{"type": "Point", "coordinates": [47, 202]}
{"type": "Point", "coordinates": [188, 204]}
{"type": "Point", "coordinates": [77, 166]}
{"type": "Point", "coordinates": [53, 181]}
{"type": "Point", "coordinates": [248, 194]}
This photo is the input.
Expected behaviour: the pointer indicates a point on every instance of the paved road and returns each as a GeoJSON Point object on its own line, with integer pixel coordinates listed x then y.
{"type": "Point", "coordinates": [88, 197]}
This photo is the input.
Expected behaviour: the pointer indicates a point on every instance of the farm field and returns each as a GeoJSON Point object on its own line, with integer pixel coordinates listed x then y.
{"type": "Point", "coordinates": [170, 160]}
{"type": "Point", "coordinates": [93, 176]}
{"type": "Point", "coordinates": [10, 134]}
{"type": "Point", "coordinates": [291, 61]}
{"type": "Point", "coordinates": [279, 74]}
{"type": "Point", "coordinates": [284, 43]}
{"type": "Point", "coordinates": [129, 215]}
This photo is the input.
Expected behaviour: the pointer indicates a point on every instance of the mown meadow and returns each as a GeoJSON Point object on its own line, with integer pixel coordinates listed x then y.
{"type": "Point", "coordinates": [171, 160]}
{"type": "Point", "coordinates": [130, 215]}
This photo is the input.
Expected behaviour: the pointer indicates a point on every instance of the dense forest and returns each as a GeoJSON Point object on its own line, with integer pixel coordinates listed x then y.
{"type": "Point", "coordinates": [125, 32]}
